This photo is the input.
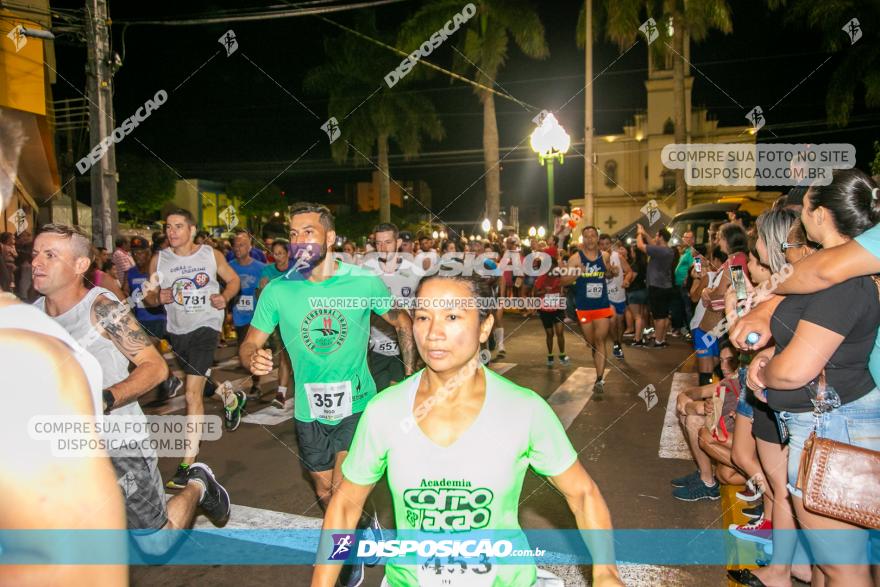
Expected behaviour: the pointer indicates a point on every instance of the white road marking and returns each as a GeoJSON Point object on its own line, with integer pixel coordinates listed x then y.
{"type": "Point", "coordinates": [672, 442]}
{"type": "Point", "coordinates": [501, 368]}
{"type": "Point", "coordinates": [271, 416]}
{"type": "Point", "coordinates": [570, 398]}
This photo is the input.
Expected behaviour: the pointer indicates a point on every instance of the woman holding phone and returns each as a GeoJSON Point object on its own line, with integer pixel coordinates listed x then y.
{"type": "Point", "coordinates": [456, 424]}
{"type": "Point", "coordinates": [830, 332]}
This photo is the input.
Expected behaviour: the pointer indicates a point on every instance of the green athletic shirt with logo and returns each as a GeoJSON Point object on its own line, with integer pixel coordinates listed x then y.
{"type": "Point", "coordinates": [473, 484]}
{"type": "Point", "coordinates": [327, 345]}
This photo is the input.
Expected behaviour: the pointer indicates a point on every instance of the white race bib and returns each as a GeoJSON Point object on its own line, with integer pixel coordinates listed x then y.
{"type": "Point", "coordinates": [329, 401]}
{"type": "Point", "coordinates": [552, 301]}
{"type": "Point", "coordinates": [443, 571]}
{"type": "Point", "coordinates": [195, 303]}
{"type": "Point", "coordinates": [245, 304]}
{"type": "Point", "coordinates": [594, 290]}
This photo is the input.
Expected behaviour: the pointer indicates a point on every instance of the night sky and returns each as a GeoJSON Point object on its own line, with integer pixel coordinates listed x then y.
{"type": "Point", "coordinates": [229, 120]}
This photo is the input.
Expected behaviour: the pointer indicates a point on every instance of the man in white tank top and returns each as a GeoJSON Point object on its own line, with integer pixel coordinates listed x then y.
{"type": "Point", "coordinates": [188, 287]}
{"type": "Point", "coordinates": [108, 330]}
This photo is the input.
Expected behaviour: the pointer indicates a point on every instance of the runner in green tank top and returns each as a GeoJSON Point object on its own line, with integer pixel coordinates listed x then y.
{"type": "Point", "coordinates": [455, 440]}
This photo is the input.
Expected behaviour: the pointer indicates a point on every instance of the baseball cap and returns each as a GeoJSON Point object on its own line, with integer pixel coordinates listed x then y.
{"type": "Point", "coordinates": [138, 242]}
{"type": "Point", "coordinates": [405, 236]}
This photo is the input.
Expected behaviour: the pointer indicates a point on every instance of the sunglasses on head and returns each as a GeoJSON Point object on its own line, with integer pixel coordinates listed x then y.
{"type": "Point", "coordinates": [785, 246]}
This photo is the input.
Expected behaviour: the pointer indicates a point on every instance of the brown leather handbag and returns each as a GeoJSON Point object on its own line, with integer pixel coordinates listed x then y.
{"type": "Point", "coordinates": [839, 480]}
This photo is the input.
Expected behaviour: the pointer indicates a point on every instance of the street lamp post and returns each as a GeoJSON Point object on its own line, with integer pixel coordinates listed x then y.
{"type": "Point", "coordinates": [550, 142]}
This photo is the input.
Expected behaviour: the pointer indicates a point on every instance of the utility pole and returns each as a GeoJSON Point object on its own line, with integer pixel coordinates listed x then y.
{"type": "Point", "coordinates": [105, 218]}
{"type": "Point", "coordinates": [589, 205]}
{"type": "Point", "coordinates": [70, 167]}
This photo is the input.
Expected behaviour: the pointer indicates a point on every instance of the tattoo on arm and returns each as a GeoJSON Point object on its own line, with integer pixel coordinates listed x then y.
{"type": "Point", "coordinates": [405, 341]}
{"type": "Point", "coordinates": [119, 324]}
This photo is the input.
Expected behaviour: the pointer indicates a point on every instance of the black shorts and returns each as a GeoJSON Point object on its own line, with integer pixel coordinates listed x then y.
{"type": "Point", "coordinates": [241, 333]}
{"type": "Point", "coordinates": [764, 425]}
{"type": "Point", "coordinates": [319, 443]}
{"type": "Point", "coordinates": [659, 300]}
{"type": "Point", "coordinates": [195, 350]}
{"type": "Point", "coordinates": [385, 369]}
{"type": "Point", "coordinates": [155, 328]}
{"type": "Point", "coordinates": [548, 319]}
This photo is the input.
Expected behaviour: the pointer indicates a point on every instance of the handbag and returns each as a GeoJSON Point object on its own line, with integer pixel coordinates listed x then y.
{"type": "Point", "coordinates": [839, 480]}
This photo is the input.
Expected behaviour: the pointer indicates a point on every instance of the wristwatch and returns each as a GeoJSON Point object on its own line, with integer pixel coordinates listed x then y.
{"type": "Point", "coordinates": [109, 400]}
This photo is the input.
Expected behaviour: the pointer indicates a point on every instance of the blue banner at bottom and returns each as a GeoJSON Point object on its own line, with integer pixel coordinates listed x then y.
{"type": "Point", "coordinates": [675, 547]}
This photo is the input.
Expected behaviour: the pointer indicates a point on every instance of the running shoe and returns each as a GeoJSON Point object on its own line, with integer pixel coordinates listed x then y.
{"type": "Point", "coordinates": [659, 345]}
{"type": "Point", "coordinates": [215, 501]}
{"type": "Point", "coordinates": [697, 492]}
{"type": "Point", "coordinates": [599, 386]}
{"type": "Point", "coordinates": [760, 531]}
{"type": "Point", "coordinates": [648, 331]}
{"type": "Point", "coordinates": [686, 480]}
{"type": "Point", "coordinates": [629, 334]}
{"type": "Point", "coordinates": [181, 476]}
{"type": "Point", "coordinates": [501, 354]}
{"type": "Point", "coordinates": [232, 413]}
{"type": "Point", "coordinates": [549, 360]}
{"type": "Point", "coordinates": [564, 360]}
{"type": "Point", "coordinates": [750, 493]}
{"type": "Point", "coordinates": [753, 513]}
{"type": "Point", "coordinates": [255, 393]}
{"type": "Point", "coordinates": [638, 343]}
{"type": "Point", "coordinates": [674, 333]}
{"type": "Point", "coordinates": [278, 402]}
{"type": "Point", "coordinates": [374, 532]}
{"type": "Point", "coordinates": [352, 575]}
{"type": "Point", "coordinates": [617, 351]}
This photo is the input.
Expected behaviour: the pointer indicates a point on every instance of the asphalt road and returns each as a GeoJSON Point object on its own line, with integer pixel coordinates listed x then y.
{"type": "Point", "coordinates": [617, 436]}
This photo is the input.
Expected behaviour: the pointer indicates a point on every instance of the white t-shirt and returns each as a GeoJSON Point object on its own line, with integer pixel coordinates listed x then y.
{"type": "Point", "coordinates": [616, 293]}
{"type": "Point", "coordinates": [473, 484]}
{"type": "Point", "coordinates": [401, 283]}
{"type": "Point", "coordinates": [422, 255]}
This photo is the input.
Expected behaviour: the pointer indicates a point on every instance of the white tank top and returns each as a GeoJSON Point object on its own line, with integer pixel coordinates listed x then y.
{"type": "Point", "coordinates": [78, 322]}
{"type": "Point", "coordinates": [616, 293]}
{"type": "Point", "coordinates": [193, 280]}
{"type": "Point", "coordinates": [24, 317]}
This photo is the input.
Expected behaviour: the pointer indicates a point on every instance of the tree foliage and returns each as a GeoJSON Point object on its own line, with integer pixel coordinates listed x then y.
{"type": "Point", "coordinates": [145, 184]}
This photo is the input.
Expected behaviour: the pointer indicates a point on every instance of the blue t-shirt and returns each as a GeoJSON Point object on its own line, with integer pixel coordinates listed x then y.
{"type": "Point", "coordinates": [245, 301]}
{"type": "Point", "coordinates": [256, 254]}
{"type": "Point", "coordinates": [143, 313]}
{"type": "Point", "coordinates": [870, 239]}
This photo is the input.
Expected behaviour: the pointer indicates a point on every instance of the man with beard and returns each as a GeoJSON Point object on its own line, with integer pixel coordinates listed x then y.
{"type": "Point", "coordinates": [401, 277]}
{"type": "Point", "coordinates": [322, 307]}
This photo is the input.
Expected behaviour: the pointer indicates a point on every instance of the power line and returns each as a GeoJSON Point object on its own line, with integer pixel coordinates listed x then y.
{"type": "Point", "coordinates": [262, 15]}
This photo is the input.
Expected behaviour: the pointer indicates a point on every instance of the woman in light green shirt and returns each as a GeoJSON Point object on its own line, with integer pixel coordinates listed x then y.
{"type": "Point", "coordinates": [456, 440]}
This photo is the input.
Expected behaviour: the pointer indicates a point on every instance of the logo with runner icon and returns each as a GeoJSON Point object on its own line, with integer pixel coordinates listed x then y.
{"type": "Point", "coordinates": [342, 547]}
{"type": "Point", "coordinates": [185, 292]}
{"type": "Point", "coordinates": [324, 330]}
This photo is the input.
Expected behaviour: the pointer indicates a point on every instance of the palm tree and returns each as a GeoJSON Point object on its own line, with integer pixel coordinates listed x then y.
{"type": "Point", "coordinates": [481, 48]}
{"type": "Point", "coordinates": [370, 119]}
{"type": "Point", "coordinates": [684, 20]}
{"type": "Point", "coordinates": [860, 62]}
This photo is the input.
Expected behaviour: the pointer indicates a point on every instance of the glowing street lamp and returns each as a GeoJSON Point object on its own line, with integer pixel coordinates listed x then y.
{"type": "Point", "coordinates": [499, 225]}
{"type": "Point", "coordinates": [435, 235]}
{"type": "Point", "coordinates": [485, 225]}
{"type": "Point", "coordinates": [532, 231]}
{"type": "Point", "coordinates": [541, 232]}
{"type": "Point", "coordinates": [550, 142]}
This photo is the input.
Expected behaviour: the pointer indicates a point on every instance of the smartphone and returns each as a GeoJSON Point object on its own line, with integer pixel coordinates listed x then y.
{"type": "Point", "coordinates": [739, 285]}
{"type": "Point", "coordinates": [698, 265]}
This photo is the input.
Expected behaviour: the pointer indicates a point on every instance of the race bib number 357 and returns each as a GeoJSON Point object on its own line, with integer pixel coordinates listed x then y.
{"type": "Point", "coordinates": [329, 401]}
